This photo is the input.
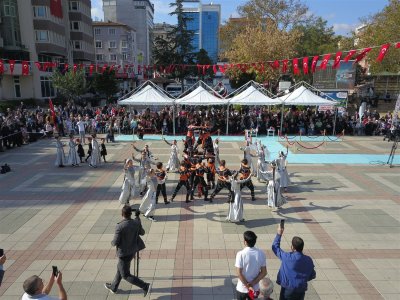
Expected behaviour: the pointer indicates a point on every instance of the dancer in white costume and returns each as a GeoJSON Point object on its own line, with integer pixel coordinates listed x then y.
{"type": "Point", "coordinates": [148, 204]}
{"type": "Point", "coordinates": [235, 213]}
{"type": "Point", "coordinates": [247, 155]}
{"type": "Point", "coordinates": [173, 162]}
{"type": "Point", "coordinates": [262, 164]}
{"type": "Point", "coordinates": [216, 152]}
{"type": "Point", "coordinates": [274, 197]}
{"type": "Point", "coordinates": [60, 158]}
{"type": "Point", "coordinates": [144, 167]}
{"type": "Point", "coordinates": [283, 173]}
{"type": "Point", "coordinates": [128, 187]}
{"type": "Point", "coordinates": [73, 158]}
{"type": "Point", "coordinates": [95, 159]}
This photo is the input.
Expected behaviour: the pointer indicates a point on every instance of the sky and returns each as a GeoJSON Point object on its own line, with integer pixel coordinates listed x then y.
{"type": "Point", "coordinates": [343, 15]}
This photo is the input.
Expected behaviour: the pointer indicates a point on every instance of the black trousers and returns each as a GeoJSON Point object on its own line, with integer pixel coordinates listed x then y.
{"type": "Point", "coordinates": [161, 188]}
{"type": "Point", "coordinates": [220, 185]}
{"type": "Point", "coordinates": [250, 185]}
{"type": "Point", "coordinates": [178, 187]}
{"type": "Point", "coordinates": [123, 271]}
{"type": "Point", "coordinates": [210, 180]}
{"type": "Point", "coordinates": [287, 294]}
{"type": "Point", "coordinates": [242, 296]}
{"type": "Point", "coordinates": [196, 181]}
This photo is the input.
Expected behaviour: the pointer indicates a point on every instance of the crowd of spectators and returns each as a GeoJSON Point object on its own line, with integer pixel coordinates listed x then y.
{"type": "Point", "coordinates": [23, 125]}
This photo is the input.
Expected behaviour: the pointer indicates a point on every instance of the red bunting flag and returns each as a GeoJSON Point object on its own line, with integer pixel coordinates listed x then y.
{"type": "Point", "coordinates": [56, 8]}
{"type": "Point", "coordinates": [53, 113]}
{"type": "Point", "coordinates": [91, 68]}
{"type": "Point", "coordinates": [398, 45]}
{"type": "Point", "coordinates": [111, 68]}
{"type": "Point", "coordinates": [361, 56]}
{"type": "Point", "coordinates": [305, 65]}
{"type": "Point", "coordinates": [103, 68]}
{"type": "Point", "coordinates": [25, 68]}
{"type": "Point", "coordinates": [38, 65]}
{"type": "Point", "coordinates": [383, 52]}
{"type": "Point", "coordinates": [284, 65]}
{"type": "Point", "coordinates": [275, 65]}
{"type": "Point", "coordinates": [75, 67]}
{"type": "Point", "coordinates": [12, 65]}
{"type": "Point", "coordinates": [296, 70]}
{"type": "Point", "coordinates": [314, 63]}
{"type": "Point", "coordinates": [1, 66]}
{"type": "Point", "coordinates": [205, 68]}
{"type": "Point", "coordinates": [336, 62]}
{"type": "Point", "coordinates": [215, 69]}
{"type": "Point", "coordinates": [349, 55]}
{"type": "Point", "coordinates": [324, 62]}
{"type": "Point", "coordinates": [66, 67]}
{"type": "Point", "coordinates": [222, 68]}
{"type": "Point", "coordinates": [198, 68]}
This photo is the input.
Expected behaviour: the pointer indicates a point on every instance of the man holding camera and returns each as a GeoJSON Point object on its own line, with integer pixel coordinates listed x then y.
{"type": "Point", "coordinates": [127, 241]}
{"type": "Point", "coordinates": [296, 268]}
{"type": "Point", "coordinates": [35, 288]}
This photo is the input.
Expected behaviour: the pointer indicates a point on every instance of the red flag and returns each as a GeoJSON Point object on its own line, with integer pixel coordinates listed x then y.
{"type": "Point", "coordinates": [56, 8]}
{"type": "Point", "coordinates": [215, 69]}
{"type": "Point", "coordinates": [12, 65]}
{"type": "Point", "coordinates": [324, 62]}
{"type": "Point", "coordinates": [296, 70]}
{"type": "Point", "coordinates": [111, 68]}
{"type": "Point", "coordinates": [198, 68]}
{"type": "Point", "coordinates": [398, 45]}
{"type": "Point", "coordinates": [38, 65]}
{"type": "Point", "coordinates": [222, 68]}
{"type": "Point", "coordinates": [284, 65]}
{"type": "Point", "coordinates": [205, 68]}
{"type": "Point", "coordinates": [305, 65]}
{"type": "Point", "coordinates": [25, 68]}
{"type": "Point", "coordinates": [275, 65]}
{"type": "Point", "coordinates": [336, 63]}
{"type": "Point", "coordinates": [91, 68]}
{"type": "Point", "coordinates": [383, 52]}
{"type": "Point", "coordinates": [361, 56]}
{"type": "Point", "coordinates": [75, 67]}
{"type": "Point", "coordinates": [103, 68]}
{"type": "Point", "coordinates": [53, 113]}
{"type": "Point", "coordinates": [314, 63]}
{"type": "Point", "coordinates": [1, 66]}
{"type": "Point", "coordinates": [66, 66]}
{"type": "Point", "coordinates": [349, 55]}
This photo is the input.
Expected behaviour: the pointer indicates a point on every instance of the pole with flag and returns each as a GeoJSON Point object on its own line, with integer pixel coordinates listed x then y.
{"type": "Point", "coordinates": [53, 113]}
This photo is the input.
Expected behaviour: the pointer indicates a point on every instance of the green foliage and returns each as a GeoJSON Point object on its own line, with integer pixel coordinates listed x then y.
{"type": "Point", "coordinates": [105, 83]}
{"type": "Point", "coordinates": [383, 27]}
{"type": "Point", "coordinates": [70, 84]}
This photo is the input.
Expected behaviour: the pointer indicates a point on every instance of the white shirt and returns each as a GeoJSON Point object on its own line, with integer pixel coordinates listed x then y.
{"type": "Point", "coordinates": [25, 296]}
{"type": "Point", "coordinates": [250, 260]}
{"type": "Point", "coordinates": [81, 126]}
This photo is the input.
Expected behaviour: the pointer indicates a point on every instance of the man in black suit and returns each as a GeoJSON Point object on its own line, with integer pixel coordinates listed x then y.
{"type": "Point", "coordinates": [126, 240]}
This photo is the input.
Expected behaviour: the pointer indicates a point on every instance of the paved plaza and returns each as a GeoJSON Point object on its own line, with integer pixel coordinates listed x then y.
{"type": "Point", "coordinates": [347, 213]}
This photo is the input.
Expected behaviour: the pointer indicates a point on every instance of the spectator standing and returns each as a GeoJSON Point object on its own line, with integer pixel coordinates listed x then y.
{"type": "Point", "coordinates": [35, 289]}
{"type": "Point", "coordinates": [3, 259]}
{"type": "Point", "coordinates": [81, 129]}
{"type": "Point", "coordinates": [296, 268]}
{"type": "Point", "coordinates": [251, 267]}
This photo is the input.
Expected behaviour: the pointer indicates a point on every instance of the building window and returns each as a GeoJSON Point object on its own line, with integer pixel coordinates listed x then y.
{"type": "Point", "coordinates": [125, 56]}
{"type": "Point", "coordinates": [124, 44]}
{"type": "Point", "coordinates": [111, 31]}
{"type": "Point", "coordinates": [9, 8]}
{"type": "Point", "coordinates": [99, 44]}
{"type": "Point", "coordinates": [109, 2]}
{"type": "Point", "coordinates": [42, 35]}
{"type": "Point", "coordinates": [75, 25]}
{"type": "Point", "coordinates": [99, 57]}
{"type": "Point", "coordinates": [97, 31]}
{"type": "Point", "coordinates": [113, 57]}
{"type": "Point", "coordinates": [77, 45]}
{"type": "Point", "coordinates": [74, 5]}
{"type": "Point", "coordinates": [17, 87]}
{"type": "Point", "coordinates": [40, 11]}
{"type": "Point", "coordinates": [47, 87]}
{"type": "Point", "coordinates": [112, 44]}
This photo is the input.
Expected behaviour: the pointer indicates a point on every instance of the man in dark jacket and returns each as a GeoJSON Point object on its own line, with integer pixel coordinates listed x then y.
{"type": "Point", "coordinates": [126, 240]}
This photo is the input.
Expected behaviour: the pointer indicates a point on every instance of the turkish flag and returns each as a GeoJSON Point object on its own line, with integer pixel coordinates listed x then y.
{"type": "Point", "coordinates": [349, 55]}
{"type": "Point", "coordinates": [361, 56]}
{"type": "Point", "coordinates": [75, 67]}
{"type": "Point", "coordinates": [383, 52]}
{"type": "Point", "coordinates": [296, 70]}
{"type": "Point", "coordinates": [325, 61]}
{"type": "Point", "coordinates": [53, 113]}
{"type": "Point", "coordinates": [314, 63]}
{"type": "Point", "coordinates": [1, 66]}
{"type": "Point", "coordinates": [111, 68]}
{"type": "Point", "coordinates": [38, 65]}
{"type": "Point", "coordinates": [336, 63]}
{"type": "Point", "coordinates": [25, 68]}
{"type": "Point", "coordinates": [284, 65]}
{"type": "Point", "coordinates": [222, 68]}
{"type": "Point", "coordinates": [91, 68]}
{"type": "Point", "coordinates": [56, 8]}
{"type": "Point", "coordinates": [12, 65]}
{"type": "Point", "coordinates": [398, 45]}
{"type": "Point", "coordinates": [103, 68]}
{"type": "Point", "coordinates": [205, 68]}
{"type": "Point", "coordinates": [66, 66]}
{"type": "Point", "coordinates": [275, 65]}
{"type": "Point", "coordinates": [305, 65]}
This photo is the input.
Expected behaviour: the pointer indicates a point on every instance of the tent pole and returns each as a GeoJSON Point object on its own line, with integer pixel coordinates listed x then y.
{"type": "Point", "coordinates": [334, 121]}
{"type": "Point", "coordinates": [227, 120]}
{"type": "Point", "coordinates": [173, 119]}
{"type": "Point", "coordinates": [282, 118]}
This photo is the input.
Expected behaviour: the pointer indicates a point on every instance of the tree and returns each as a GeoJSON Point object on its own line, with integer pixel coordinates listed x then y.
{"type": "Point", "coordinates": [70, 84]}
{"type": "Point", "coordinates": [381, 28]}
{"type": "Point", "coordinates": [106, 83]}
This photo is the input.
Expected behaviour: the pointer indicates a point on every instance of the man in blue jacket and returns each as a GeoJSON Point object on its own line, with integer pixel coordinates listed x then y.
{"type": "Point", "coordinates": [296, 268]}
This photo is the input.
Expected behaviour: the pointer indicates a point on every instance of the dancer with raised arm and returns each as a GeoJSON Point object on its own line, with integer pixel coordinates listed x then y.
{"type": "Point", "coordinates": [148, 204]}
{"type": "Point", "coordinates": [283, 173]}
{"type": "Point", "coordinates": [235, 213]}
{"type": "Point", "coordinates": [128, 186]}
{"type": "Point", "coordinates": [199, 171]}
{"type": "Point", "coordinates": [173, 162]}
{"type": "Point", "coordinates": [223, 181]}
{"type": "Point", "coordinates": [275, 198]}
{"type": "Point", "coordinates": [262, 165]}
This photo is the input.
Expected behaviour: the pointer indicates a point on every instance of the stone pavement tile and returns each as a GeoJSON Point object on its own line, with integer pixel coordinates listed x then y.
{"type": "Point", "coordinates": [203, 297]}
{"type": "Point", "coordinates": [343, 287]}
{"type": "Point", "coordinates": [391, 296]}
{"type": "Point", "coordinates": [323, 287]}
{"type": "Point", "coordinates": [202, 287]}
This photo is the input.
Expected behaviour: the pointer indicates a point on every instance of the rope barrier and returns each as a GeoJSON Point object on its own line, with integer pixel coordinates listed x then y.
{"type": "Point", "coordinates": [310, 147]}
{"type": "Point", "coordinates": [337, 137]}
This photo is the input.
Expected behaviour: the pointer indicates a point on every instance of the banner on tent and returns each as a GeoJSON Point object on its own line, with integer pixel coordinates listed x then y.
{"type": "Point", "coordinates": [338, 96]}
{"type": "Point", "coordinates": [340, 78]}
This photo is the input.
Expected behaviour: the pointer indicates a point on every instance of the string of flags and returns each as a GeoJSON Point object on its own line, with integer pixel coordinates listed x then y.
{"type": "Point", "coordinates": [296, 63]}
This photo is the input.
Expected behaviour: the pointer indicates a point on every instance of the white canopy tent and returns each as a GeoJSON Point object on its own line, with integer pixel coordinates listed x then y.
{"type": "Point", "coordinates": [252, 96]}
{"type": "Point", "coordinates": [200, 96]}
{"type": "Point", "coordinates": [147, 96]}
